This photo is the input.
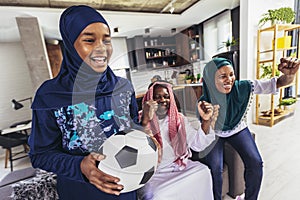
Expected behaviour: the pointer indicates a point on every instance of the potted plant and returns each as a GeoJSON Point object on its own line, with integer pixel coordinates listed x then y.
{"type": "Point", "coordinates": [189, 79]}
{"type": "Point", "coordinates": [287, 103]}
{"type": "Point", "coordinates": [229, 43]}
{"type": "Point", "coordinates": [267, 71]}
{"type": "Point", "coordinates": [281, 15]}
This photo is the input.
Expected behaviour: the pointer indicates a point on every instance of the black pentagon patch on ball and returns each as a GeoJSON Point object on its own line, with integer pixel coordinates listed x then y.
{"type": "Point", "coordinates": [126, 157]}
{"type": "Point", "coordinates": [147, 175]}
{"type": "Point", "coordinates": [124, 132]}
{"type": "Point", "coordinates": [151, 143]}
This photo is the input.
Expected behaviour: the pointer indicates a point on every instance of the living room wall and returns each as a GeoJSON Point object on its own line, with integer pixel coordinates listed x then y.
{"type": "Point", "coordinates": [250, 14]}
{"type": "Point", "coordinates": [15, 83]}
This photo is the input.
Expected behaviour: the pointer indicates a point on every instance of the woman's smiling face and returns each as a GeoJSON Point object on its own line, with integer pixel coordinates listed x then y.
{"type": "Point", "coordinates": [94, 46]}
{"type": "Point", "coordinates": [224, 79]}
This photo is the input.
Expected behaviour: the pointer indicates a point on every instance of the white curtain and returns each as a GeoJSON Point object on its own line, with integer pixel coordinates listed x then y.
{"type": "Point", "coordinates": [216, 31]}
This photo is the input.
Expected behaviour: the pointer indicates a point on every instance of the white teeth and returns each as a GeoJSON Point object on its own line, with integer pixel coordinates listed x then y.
{"type": "Point", "coordinates": [99, 58]}
{"type": "Point", "coordinates": [227, 86]}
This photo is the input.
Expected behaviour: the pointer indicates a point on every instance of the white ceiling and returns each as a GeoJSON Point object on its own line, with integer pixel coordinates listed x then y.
{"type": "Point", "coordinates": [129, 23]}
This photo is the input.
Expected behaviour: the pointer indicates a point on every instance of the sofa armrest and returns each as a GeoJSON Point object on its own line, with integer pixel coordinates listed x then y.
{"type": "Point", "coordinates": [31, 183]}
{"type": "Point", "coordinates": [18, 175]}
{"type": "Point", "coordinates": [6, 189]}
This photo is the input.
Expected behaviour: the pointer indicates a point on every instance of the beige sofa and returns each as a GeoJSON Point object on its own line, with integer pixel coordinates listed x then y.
{"type": "Point", "coordinates": [233, 172]}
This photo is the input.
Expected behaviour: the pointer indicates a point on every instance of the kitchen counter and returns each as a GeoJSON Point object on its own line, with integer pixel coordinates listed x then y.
{"type": "Point", "coordinates": [175, 87]}
{"type": "Point", "coordinates": [187, 95]}
{"type": "Point", "coordinates": [189, 85]}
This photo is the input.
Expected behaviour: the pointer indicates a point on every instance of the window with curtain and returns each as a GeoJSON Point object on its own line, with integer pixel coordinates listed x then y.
{"type": "Point", "coordinates": [216, 31]}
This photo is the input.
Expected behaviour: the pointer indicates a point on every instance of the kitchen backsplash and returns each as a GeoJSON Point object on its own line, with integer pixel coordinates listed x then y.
{"type": "Point", "coordinates": [142, 78]}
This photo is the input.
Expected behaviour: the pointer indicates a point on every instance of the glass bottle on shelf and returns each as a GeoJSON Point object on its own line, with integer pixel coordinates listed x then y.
{"type": "Point", "coordinates": [167, 52]}
{"type": "Point", "coordinates": [199, 78]}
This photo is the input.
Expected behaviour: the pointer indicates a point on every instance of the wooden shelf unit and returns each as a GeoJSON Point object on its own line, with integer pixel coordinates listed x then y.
{"type": "Point", "coordinates": [275, 30]}
{"type": "Point", "coordinates": [160, 51]}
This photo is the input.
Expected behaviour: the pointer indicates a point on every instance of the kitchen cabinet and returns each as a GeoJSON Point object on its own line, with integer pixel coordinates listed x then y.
{"type": "Point", "coordinates": [278, 47]}
{"type": "Point", "coordinates": [190, 99]}
{"type": "Point", "coordinates": [136, 53]}
{"type": "Point", "coordinates": [183, 48]}
{"type": "Point", "coordinates": [195, 43]}
{"type": "Point", "coordinates": [179, 92]}
{"type": "Point", "coordinates": [188, 96]}
{"type": "Point", "coordinates": [160, 51]}
{"type": "Point", "coordinates": [190, 45]}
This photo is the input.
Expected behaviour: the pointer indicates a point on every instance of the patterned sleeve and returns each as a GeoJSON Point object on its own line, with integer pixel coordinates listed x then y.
{"type": "Point", "coordinates": [46, 150]}
{"type": "Point", "coordinates": [264, 86]}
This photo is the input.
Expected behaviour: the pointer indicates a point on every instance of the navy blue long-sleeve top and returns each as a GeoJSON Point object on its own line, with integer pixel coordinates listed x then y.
{"type": "Point", "coordinates": [60, 139]}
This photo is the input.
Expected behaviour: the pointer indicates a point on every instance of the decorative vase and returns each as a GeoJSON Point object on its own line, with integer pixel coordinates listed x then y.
{"type": "Point", "coordinates": [290, 107]}
{"type": "Point", "coordinates": [188, 81]}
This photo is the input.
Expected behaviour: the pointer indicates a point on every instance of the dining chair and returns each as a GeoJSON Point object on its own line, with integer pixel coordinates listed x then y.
{"type": "Point", "coordinates": [9, 141]}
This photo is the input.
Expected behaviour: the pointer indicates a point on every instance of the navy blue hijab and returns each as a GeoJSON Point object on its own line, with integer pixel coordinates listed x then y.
{"type": "Point", "coordinates": [232, 105]}
{"type": "Point", "coordinates": [76, 81]}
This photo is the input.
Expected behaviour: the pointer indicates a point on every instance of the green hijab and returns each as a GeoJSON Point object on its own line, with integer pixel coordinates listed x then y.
{"type": "Point", "coordinates": [232, 105]}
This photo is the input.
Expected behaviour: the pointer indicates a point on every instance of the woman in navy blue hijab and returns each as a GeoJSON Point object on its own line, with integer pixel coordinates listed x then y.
{"type": "Point", "coordinates": [75, 112]}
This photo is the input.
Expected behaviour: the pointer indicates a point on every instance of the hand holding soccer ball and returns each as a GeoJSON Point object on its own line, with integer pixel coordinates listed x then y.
{"type": "Point", "coordinates": [101, 180]}
{"type": "Point", "coordinates": [132, 156]}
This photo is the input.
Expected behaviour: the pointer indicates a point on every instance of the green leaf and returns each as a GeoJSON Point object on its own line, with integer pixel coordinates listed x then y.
{"type": "Point", "coordinates": [284, 14]}
{"type": "Point", "coordinates": [287, 102]}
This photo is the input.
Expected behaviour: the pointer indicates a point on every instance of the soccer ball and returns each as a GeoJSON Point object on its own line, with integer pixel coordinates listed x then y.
{"type": "Point", "coordinates": [131, 156]}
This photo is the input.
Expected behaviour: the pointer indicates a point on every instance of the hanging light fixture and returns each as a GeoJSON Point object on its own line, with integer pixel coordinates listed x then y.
{"type": "Point", "coordinates": [169, 7]}
{"type": "Point", "coordinates": [172, 9]}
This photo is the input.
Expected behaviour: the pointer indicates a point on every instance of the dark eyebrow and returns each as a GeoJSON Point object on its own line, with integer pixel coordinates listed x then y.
{"type": "Point", "coordinates": [91, 34]}
{"type": "Point", "coordinates": [222, 74]}
{"type": "Point", "coordinates": [107, 36]}
{"type": "Point", "coordinates": [88, 33]}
